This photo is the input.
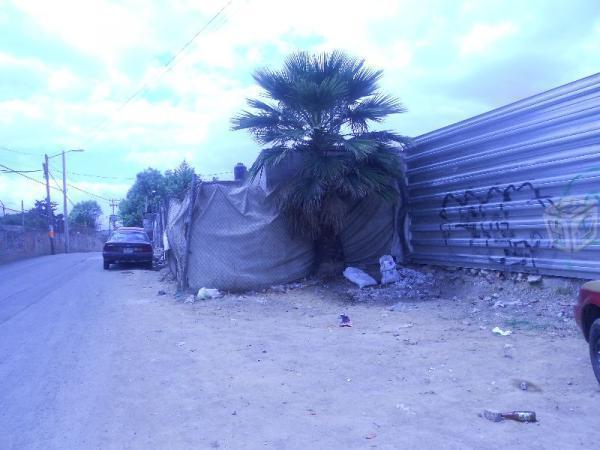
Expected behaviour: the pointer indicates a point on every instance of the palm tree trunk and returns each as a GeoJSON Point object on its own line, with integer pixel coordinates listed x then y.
{"type": "Point", "coordinates": [329, 253]}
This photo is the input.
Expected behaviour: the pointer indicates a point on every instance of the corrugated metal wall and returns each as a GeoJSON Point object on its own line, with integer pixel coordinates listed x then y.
{"type": "Point", "coordinates": [516, 188]}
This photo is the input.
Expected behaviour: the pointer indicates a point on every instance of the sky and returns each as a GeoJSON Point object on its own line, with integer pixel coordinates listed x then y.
{"type": "Point", "coordinates": [68, 69]}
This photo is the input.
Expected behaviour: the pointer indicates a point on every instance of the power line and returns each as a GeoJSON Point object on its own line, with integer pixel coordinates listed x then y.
{"type": "Point", "coordinates": [19, 171]}
{"type": "Point", "coordinates": [13, 210]}
{"type": "Point", "coordinates": [214, 174]}
{"type": "Point", "coordinates": [26, 176]}
{"type": "Point", "coordinates": [55, 182]}
{"type": "Point", "coordinates": [10, 203]}
{"type": "Point", "coordinates": [88, 192]}
{"type": "Point", "coordinates": [104, 177]}
{"type": "Point", "coordinates": [12, 150]}
{"type": "Point", "coordinates": [58, 170]}
{"type": "Point", "coordinates": [54, 187]}
{"type": "Point", "coordinates": [167, 67]}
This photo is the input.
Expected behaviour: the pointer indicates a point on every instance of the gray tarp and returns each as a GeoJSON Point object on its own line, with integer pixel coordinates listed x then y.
{"type": "Point", "coordinates": [176, 214]}
{"type": "Point", "coordinates": [240, 242]}
{"type": "Point", "coordinates": [370, 232]}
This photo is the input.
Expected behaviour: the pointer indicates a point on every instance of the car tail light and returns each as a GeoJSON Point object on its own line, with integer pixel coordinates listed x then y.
{"type": "Point", "coordinates": [143, 249]}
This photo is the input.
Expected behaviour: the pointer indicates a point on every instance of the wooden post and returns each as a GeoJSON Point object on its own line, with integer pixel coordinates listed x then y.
{"type": "Point", "coordinates": [189, 221]}
{"type": "Point", "coordinates": [49, 206]}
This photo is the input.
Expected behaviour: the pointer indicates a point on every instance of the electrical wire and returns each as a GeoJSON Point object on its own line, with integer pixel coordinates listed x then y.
{"type": "Point", "coordinates": [214, 174]}
{"type": "Point", "coordinates": [104, 177]}
{"type": "Point", "coordinates": [88, 192]}
{"type": "Point", "coordinates": [12, 150]}
{"type": "Point", "coordinates": [58, 170]}
{"type": "Point", "coordinates": [27, 176]}
{"type": "Point", "coordinates": [55, 182]}
{"type": "Point", "coordinates": [167, 68]}
{"type": "Point", "coordinates": [13, 210]}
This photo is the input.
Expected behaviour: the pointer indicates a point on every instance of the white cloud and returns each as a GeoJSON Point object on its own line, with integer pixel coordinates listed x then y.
{"type": "Point", "coordinates": [159, 158]}
{"type": "Point", "coordinates": [12, 111]}
{"type": "Point", "coordinates": [97, 27]}
{"type": "Point", "coordinates": [429, 49]}
{"type": "Point", "coordinates": [483, 36]}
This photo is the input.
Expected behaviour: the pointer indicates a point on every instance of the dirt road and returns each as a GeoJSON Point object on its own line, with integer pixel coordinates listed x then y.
{"type": "Point", "coordinates": [94, 359]}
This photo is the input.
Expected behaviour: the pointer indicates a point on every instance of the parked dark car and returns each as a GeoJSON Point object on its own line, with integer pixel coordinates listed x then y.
{"type": "Point", "coordinates": [587, 315]}
{"type": "Point", "coordinates": [128, 245]}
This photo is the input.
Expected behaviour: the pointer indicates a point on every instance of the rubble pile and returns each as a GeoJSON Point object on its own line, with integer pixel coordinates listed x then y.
{"type": "Point", "coordinates": [412, 284]}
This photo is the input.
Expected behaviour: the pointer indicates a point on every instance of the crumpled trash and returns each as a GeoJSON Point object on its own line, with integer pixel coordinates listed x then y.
{"type": "Point", "coordinates": [501, 332]}
{"type": "Point", "coordinates": [517, 416]}
{"type": "Point", "coordinates": [359, 277]}
{"type": "Point", "coordinates": [206, 293]}
{"type": "Point", "coordinates": [345, 321]}
{"type": "Point", "coordinates": [387, 267]}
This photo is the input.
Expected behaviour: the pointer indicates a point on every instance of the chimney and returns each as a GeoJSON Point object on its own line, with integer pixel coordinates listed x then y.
{"type": "Point", "coordinates": [239, 172]}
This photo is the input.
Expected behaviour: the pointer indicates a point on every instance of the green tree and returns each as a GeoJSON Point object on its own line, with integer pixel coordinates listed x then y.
{"type": "Point", "coordinates": [36, 217]}
{"type": "Point", "coordinates": [178, 181]}
{"type": "Point", "coordinates": [86, 214]}
{"type": "Point", "coordinates": [144, 196]}
{"type": "Point", "coordinates": [318, 109]}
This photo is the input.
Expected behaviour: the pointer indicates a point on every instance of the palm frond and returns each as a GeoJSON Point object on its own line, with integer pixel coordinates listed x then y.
{"type": "Point", "coordinates": [322, 107]}
{"type": "Point", "coordinates": [361, 148]}
{"type": "Point", "coordinates": [386, 137]}
{"type": "Point", "coordinates": [374, 109]}
{"type": "Point", "coordinates": [323, 167]}
{"type": "Point", "coordinates": [274, 84]}
{"type": "Point", "coordinates": [260, 105]}
{"type": "Point", "coordinates": [268, 158]}
{"type": "Point", "coordinates": [254, 121]}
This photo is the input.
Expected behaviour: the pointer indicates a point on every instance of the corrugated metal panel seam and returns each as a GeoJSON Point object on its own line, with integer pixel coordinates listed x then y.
{"type": "Point", "coordinates": [515, 189]}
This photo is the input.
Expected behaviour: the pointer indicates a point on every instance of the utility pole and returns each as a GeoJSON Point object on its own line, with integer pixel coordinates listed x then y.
{"type": "Point", "coordinates": [65, 216]}
{"type": "Point", "coordinates": [49, 206]}
{"type": "Point", "coordinates": [111, 220]}
{"type": "Point", "coordinates": [64, 189]}
{"type": "Point", "coordinates": [22, 216]}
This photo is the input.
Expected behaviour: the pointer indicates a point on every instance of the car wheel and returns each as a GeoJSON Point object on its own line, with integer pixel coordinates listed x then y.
{"type": "Point", "coordinates": [106, 265]}
{"type": "Point", "coordinates": [149, 265]}
{"type": "Point", "coordinates": [595, 348]}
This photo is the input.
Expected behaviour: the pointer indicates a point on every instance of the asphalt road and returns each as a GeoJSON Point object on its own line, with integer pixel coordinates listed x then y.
{"type": "Point", "coordinates": [76, 361]}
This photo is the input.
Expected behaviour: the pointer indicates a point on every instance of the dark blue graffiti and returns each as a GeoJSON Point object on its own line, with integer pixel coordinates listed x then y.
{"type": "Point", "coordinates": [476, 210]}
{"type": "Point", "coordinates": [484, 217]}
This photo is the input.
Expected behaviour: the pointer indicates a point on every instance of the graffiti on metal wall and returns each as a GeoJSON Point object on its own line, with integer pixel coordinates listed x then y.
{"type": "Point", "coordinates": [572, 222]}
{"type": "Point", "coordinates": [485, 218]}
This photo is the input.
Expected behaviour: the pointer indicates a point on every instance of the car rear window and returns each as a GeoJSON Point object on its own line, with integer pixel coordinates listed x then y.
{"type": "Point", "coordinates": [129, 236]}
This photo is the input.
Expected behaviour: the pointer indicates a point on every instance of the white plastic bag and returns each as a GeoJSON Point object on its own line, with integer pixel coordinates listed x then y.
{"type": "Point", "coordinates": [206, 293]}
{"type": "Point", "coordinates": [359, 277]}
{"type": "Point", "coordinates": [387, 267]}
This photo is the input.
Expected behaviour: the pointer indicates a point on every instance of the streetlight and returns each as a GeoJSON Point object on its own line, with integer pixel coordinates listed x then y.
{"type": "Point", "coordinates": [65, 216]}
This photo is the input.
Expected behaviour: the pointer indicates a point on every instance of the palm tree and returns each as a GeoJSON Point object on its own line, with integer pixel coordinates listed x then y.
{"type": "Point", "coordinates": [319, 108]}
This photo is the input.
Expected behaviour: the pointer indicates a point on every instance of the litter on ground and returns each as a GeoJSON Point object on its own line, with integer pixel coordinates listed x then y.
{"type": "Point", "coordinates": [359, 277]}
{"type": "Point", "coordinates": [206, 293]}
{"type": "Point", "coordinates": [501, 332]}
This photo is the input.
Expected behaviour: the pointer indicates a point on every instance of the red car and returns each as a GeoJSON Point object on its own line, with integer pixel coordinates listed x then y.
{"type": "Point", "coordinates": [587, 315]}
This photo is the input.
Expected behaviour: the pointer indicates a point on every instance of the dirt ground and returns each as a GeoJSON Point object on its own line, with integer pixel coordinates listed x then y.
{"type": "Point", "coordinates": [415, 369]}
